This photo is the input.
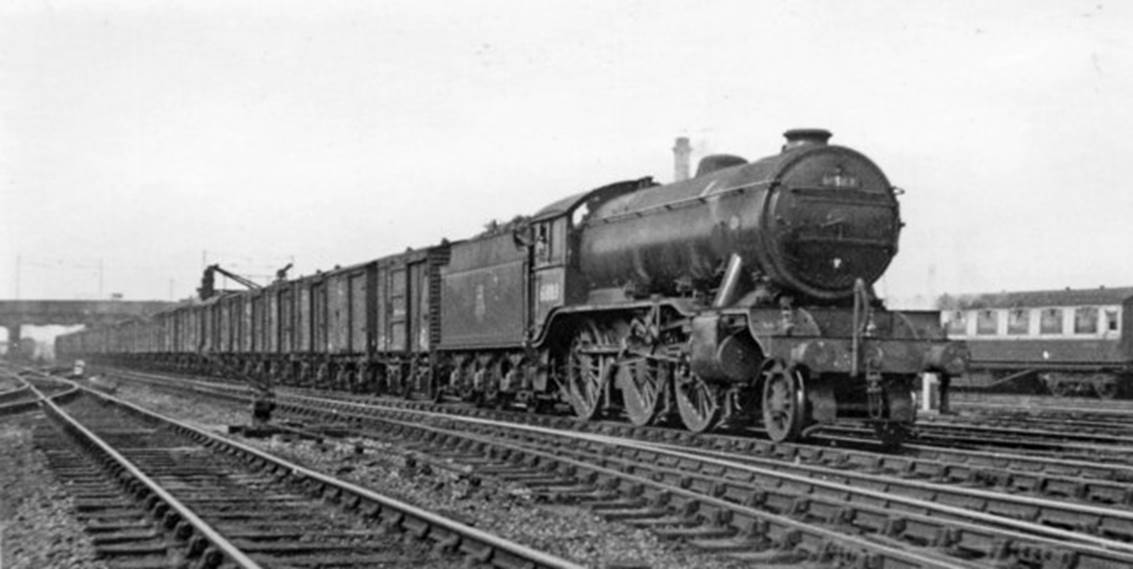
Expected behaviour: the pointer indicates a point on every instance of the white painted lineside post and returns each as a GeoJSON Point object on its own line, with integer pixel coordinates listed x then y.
{"type": "Point", "coordinates": [930, 393]}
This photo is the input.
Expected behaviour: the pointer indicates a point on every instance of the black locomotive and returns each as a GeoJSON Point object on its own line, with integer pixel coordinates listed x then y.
{"type": "Point", "coordinates": [742, 295]}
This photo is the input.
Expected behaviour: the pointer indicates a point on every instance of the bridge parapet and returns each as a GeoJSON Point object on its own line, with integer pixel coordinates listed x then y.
{"type": "Point", "coordinates": [69, 312]}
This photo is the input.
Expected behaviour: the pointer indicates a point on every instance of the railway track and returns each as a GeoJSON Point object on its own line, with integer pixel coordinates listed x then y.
{"type": "Point", "coordinates": [19, 397]}
{"type": "Point", "coordinates": [1004, 401]}
{"type": "Point", "coordinates": [156, 492]}
{"type": "Point", "coordinates": [984, 458]}
{"type": "Point", "coordinates": [1075, 421]}
{"type": "Point", "coordinates": [771, 508]}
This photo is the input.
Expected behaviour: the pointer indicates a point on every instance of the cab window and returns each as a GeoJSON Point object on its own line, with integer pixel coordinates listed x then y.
{"type": "Point", "coordinates": [543, 245]}
{"type": "Point", "coordinates": [957, 323]}
{"type": "Point", "coordinates": [987, 322]}
{"type": "Point", "coordinates": [1086, 320]}
{"type": "Point", "coordinates": [1051, 321]}
{"type": "Point", "coordinates": [1018, 321]}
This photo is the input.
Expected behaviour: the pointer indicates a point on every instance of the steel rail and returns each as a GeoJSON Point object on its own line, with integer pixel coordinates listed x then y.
{"type": "Point", "coordinates": [1018, 525]}
{"type": "Point", "coordinates": [540, 558]}
{"type": "Point", "coordinates": [222, 545]}
{"type": "Point", "coordinates": [967, 458]}
{"type": "Point", "coordinates": [1046, 535]}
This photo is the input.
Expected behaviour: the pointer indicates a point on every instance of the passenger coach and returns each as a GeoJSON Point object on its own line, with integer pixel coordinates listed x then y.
{"type": "Point", "coordinates": [1069, 342]}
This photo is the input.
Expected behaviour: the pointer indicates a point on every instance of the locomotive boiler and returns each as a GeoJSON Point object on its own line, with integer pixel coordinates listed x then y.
{"type": "Point", "coordinates": [809, 221]}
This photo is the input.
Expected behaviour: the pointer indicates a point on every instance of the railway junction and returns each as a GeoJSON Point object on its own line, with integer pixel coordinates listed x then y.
{"type": "Point", "coordinates": [967, 492]}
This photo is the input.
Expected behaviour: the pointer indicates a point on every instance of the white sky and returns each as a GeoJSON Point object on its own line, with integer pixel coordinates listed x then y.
{"type": "Point", "coordinates": [141, 135]}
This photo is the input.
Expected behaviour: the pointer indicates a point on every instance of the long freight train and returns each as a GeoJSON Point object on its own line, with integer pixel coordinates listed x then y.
{"type": "Point", "coordinates": [739, 296]}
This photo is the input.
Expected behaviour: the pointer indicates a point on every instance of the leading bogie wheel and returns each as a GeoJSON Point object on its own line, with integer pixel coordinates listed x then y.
{"type": "Point", "coordinates": [784, 403]}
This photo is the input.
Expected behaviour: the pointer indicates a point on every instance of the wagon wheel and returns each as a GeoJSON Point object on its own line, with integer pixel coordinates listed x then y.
{"type": "Point", "coordinates": [460, 382]}
{"type": "Point", "coordinates": [491, 390]}
{"type": "Point", "coordinates": [643, 382]}
{"type": "Point", "coordinates": [586, 374]}
{"type": "Point", "coordinates": [698, 402]}
{"type": "Point", "coordinates": [1061, 388]}
{"type": "Point", "coordinates": [1105, 388]}
{"type": "Point", "coordinates": [784, 403]}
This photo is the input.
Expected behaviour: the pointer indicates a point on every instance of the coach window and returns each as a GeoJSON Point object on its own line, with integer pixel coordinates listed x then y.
{"type": "Point", "coordinates": [987, 322]}
{"type": "Point", "coordinates": [1086, 320]}
{"type": "Point", "coordinates": [1051, 321]}
{"type": "Point", "coordinates": [1018, 321]}
{"type": "Point", "coordinates": [1111, 319]}
{"type": "Point", "coordinates": [957, 324]}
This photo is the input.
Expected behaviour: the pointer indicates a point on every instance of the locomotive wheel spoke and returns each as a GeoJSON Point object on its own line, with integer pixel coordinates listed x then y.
{"type": "Point", "coordinates": [698, 403]}
{"type": "Point", "coordinates": [784, 410]}
{"type": "Point", "coordinates": [585, 377]}
{"type": "Point", "coordinates": [642, 382]}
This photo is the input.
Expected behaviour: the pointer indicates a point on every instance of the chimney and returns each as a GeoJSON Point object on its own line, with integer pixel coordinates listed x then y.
{"type": "Point", "coordinates": [802, 136]}
{"type": "Point", "coordinates": [681, 153]}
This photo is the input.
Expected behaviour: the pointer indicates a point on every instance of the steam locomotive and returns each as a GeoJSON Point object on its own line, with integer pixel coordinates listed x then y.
{"type": "Point", "coordinates": [737, 297]}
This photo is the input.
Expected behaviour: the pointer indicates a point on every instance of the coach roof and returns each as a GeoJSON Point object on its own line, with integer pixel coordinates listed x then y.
{"type": "Point", "coordinates": [1063, 297]}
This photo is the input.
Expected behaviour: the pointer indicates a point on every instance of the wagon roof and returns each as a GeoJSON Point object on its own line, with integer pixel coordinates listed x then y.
{"type": "Point", "coordinates": [1063, 297]}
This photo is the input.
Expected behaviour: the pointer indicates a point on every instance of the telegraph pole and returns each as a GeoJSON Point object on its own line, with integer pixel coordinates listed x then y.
{"type": "Point", "coordinates": [19, 261]}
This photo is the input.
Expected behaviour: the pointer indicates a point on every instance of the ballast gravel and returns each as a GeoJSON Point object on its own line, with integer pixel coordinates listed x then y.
{"type": "Point", "coordinates": [38, 529]}
{"type": "Point", "coordinates": [507, 510]}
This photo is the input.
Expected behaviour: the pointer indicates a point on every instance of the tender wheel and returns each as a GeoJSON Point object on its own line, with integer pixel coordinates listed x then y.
{"type": "Point", "coordinates": [698, 402]}
{"type": "Point", "coordinates": [784, 403]}
{"type": "Point", "coordinates": [643, 383]}
{"type": "Point", "coordinates": [585, 375]}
